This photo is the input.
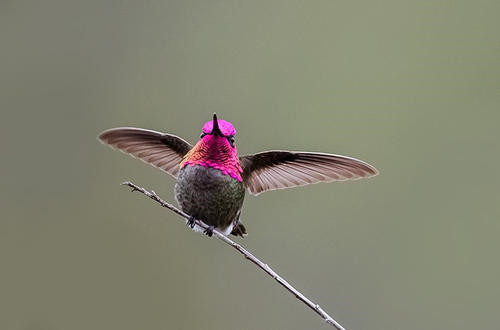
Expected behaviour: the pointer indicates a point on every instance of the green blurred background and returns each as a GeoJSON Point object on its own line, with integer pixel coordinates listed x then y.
{"type": "Point", "coordinates": [412, 87]}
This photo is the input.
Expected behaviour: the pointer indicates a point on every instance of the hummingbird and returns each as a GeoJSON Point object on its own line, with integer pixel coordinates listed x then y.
{"type": "Point", "coordinates": [211, 178]}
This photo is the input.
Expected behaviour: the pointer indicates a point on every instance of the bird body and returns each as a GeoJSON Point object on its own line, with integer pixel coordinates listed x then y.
{"type": "Point", "coordinates": [206, 193]}
{"type": "Point", "coordinates": [211, 178]}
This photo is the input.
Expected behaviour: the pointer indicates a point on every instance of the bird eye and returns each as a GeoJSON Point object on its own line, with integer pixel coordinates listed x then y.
{"type": "Point", "coordinates": [202, 135]}
{"type": "Point", "coordinates": [231, 140]}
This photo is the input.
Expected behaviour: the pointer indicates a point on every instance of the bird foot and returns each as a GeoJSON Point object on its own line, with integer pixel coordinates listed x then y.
{"type": "Point", "coordinates": [209, 231]}
{"type": "Point", "coordinates": [191, 222]}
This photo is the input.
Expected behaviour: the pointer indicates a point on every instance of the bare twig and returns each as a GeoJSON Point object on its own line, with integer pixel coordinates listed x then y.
{"type": "Point", "coordinates": [315, 307]}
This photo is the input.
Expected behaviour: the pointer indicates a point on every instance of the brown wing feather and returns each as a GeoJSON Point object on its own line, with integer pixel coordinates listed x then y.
{"type": "Point", "coordinates": [164, 151]}
{"type": "Point", "coordinates": [284, 169]}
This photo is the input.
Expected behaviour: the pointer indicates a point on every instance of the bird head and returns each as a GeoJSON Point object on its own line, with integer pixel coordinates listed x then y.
{"type": "Point", "coordinates": [216, 149]}
{"type": "Point", "coordinates": [218, 131]}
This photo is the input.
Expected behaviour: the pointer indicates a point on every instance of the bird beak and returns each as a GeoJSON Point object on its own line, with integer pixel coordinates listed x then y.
{"type": "Point", "coordinates": [216, 130]}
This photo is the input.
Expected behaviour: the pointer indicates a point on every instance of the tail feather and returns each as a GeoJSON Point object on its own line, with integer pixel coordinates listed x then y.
{"type": "Point", "coordinates": [239, 230]}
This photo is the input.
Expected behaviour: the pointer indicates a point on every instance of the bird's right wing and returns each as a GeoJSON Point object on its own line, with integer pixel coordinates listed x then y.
{"type": "Point", "coordinates": [163, 151]}
{"type": "Point", "coordinates": [280, 169]}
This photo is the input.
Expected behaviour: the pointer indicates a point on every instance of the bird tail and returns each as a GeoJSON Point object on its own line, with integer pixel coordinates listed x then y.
{"type": "Point", "coordinates": [239, 230]}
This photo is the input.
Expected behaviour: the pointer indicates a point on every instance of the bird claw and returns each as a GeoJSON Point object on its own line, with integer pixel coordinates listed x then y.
{"type": "Point", "coordinates": [191, 222]}
{"type": "Point", "coordinates": [209, 231]}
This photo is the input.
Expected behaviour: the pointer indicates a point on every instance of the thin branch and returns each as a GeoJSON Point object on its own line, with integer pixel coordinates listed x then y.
{"type": "Point", "coordinates": [315, 307]}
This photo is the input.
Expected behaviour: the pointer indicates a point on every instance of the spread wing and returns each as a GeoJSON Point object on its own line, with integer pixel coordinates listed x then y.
{"type": "Point", "coordinates": [285, 169]}
{"type": "Point", "coordinates": [160, 150]}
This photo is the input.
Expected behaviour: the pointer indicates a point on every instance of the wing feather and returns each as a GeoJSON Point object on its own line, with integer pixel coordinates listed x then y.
{"type": "Point", "coordinates": [163, 151]}
{"type": "Point", "coordinates": [284, 169]}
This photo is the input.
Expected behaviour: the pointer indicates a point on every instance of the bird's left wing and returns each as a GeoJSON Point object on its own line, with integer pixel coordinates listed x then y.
{"type": "Point", "coordinates": [284, 169]}
{"type": "Point", "coordinates": [163, 151]}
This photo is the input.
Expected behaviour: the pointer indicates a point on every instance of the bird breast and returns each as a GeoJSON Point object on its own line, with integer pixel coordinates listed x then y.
{"type": "Point", "coordinates": [209, 195]}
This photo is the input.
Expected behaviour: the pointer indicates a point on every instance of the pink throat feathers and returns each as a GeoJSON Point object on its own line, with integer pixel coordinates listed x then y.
{"type": "Point", "coordinates": [215, 151]}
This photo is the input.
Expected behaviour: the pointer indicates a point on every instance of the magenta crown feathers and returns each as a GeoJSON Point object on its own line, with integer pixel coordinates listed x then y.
{"type": "Point", "coordinates": [225, 127]}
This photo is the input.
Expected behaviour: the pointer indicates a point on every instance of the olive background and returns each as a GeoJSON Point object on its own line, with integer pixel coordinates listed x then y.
{"type": "Point", "coordinates": [411, 87]}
